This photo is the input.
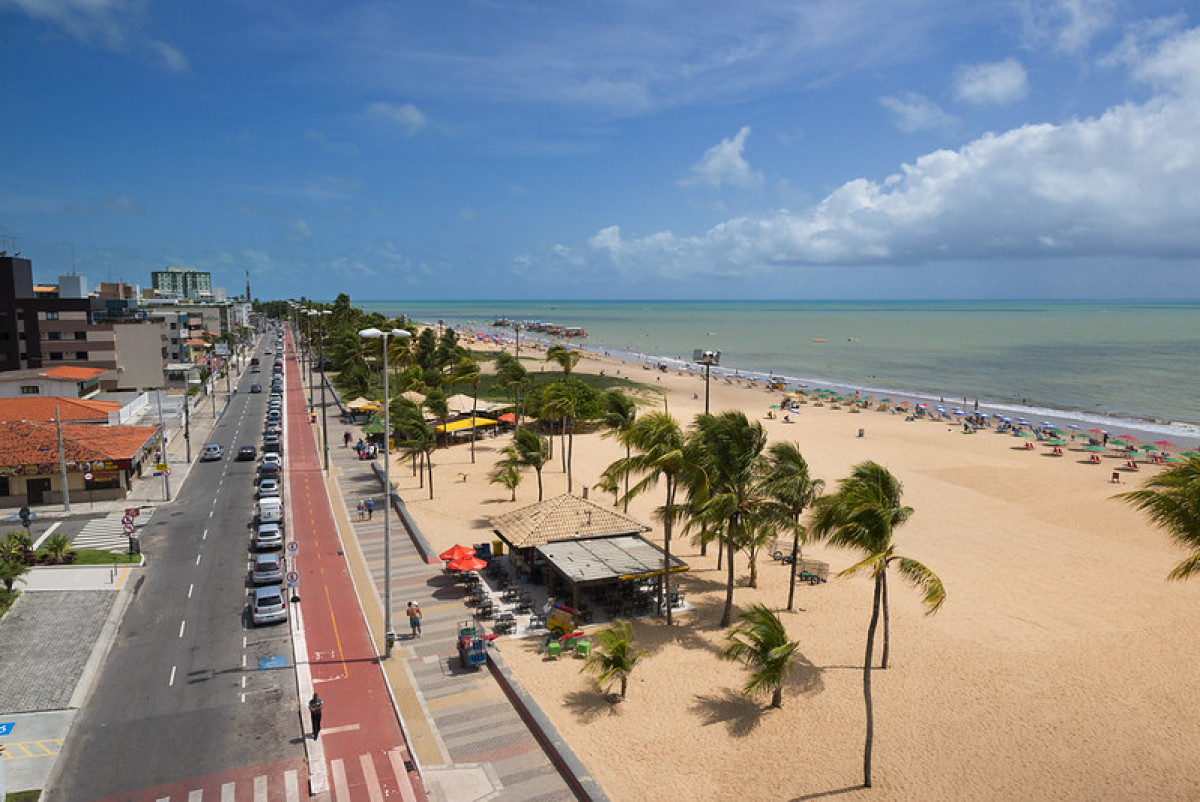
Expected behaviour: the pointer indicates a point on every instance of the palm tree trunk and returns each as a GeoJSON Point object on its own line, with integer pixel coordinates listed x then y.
{"type": "Point", "coordinates": [474, 412]}
{"type": "Point", "coordinates": [429, 462]}
{"type": "Point", "coordinates": [624, 682]}
{"type": "Point", "coordinates": [777, 697]}
{"type": "Point", "coordinates": [867, 683]}
{"type": "Point", "coordinates": [628, 455]}
{"type": "Point", "coordinates": [727, 616]}
{"type": "Point", "coordinates": [570, 453]}
{"type": "Point", "coordinates": [667, 520]}
{"type": "Point", "coordinates": [539, 474]}
{"type": "Point", "coordinates": [563, 435]}
{"type": "Point", "coordinates": [754, 568]}
{"type": "Point", "coordinates": [886, 628]}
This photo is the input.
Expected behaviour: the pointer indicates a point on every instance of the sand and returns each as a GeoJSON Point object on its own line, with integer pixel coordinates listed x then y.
{"type": "Point", "coordinates": [1062, 666]}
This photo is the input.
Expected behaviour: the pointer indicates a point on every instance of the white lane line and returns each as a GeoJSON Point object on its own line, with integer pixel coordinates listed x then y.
{"type": "Point", "coordinates": [243, 680]}
{"type": "Point", "coordinates": [343, 728]}
{"type": "Point", "coordinates": [204, 535]}
{"type": "Point", "coordinates": [260, 788]}
{"type": "Point", "coordinates": [182, 625]}
{"type": "Point", "coordinates": [374, 792]}
{"type": "Point", "coordinates": [228, 792]}
{"type": "Point", "coordinates": [171, 681]}
{"type": "Point", "coordinates": [243, 661]}
{"type": "Point", "coordinates": [198, 559]}
{"type": "Point", "coordinates": [341, 788]}
{"type": "Point", "coordinates": [243, 641]}
{"type": "Point", "coordinates": [291, 786]}
{"type": "Point", "coordinates": [243, 698]}
{"type": "Point", "coordinates": [397, 760]}
{"type": "Point", "coordinates": [191, 587]}
{"type": "Point", "coordinates": [196, 796]}
{"type": "Point", "coordinates": [210, 512]}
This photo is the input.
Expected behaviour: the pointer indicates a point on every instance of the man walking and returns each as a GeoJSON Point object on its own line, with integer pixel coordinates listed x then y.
{"type": "Point", "coordinates": [414, 618]}
{"type": "Point", "coordinates": [314, 711]}
{"type": "Point", "coordinates": [370, 508]}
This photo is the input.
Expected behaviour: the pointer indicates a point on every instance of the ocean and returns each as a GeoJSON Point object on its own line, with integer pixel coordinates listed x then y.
{"type": "Point", "coordinates": [1120, 365]}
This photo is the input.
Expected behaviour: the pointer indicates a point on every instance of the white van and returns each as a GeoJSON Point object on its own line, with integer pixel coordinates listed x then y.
{"type": "Point", "coordinates": [269, 510]}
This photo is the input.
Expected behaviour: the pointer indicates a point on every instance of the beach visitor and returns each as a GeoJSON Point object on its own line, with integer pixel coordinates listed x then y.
{"type": "Point", "coordinates": [361, 510]}
{"type": "Point", "coordinates": [414, 618]}
{"type": "Point", "coordinates": [315, 704]}
{"type": "Point", "coordinates": [346, 438]}
{"type": "Point", "coordinates": [370, 508]}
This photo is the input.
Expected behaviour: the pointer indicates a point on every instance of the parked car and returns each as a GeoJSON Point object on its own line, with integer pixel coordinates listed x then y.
{"type": "Point", "coordinates": [268, 605]}
{"type": "Point", "coordinates": [272, 444]}
{"type": "Point", "coordinates": [256, 388]}
{"type": "Point", "coordinates": [269, 510]}
{"type": "Point", "coordinates": [247, 454]}
{"type": "Point", "coordinates": [268, 569]}
{"type": "Point", "coordinates": [212, 452]}
{"type": "Point", "coordinates": [272, 459]}
{"type": "Point", "coordinates": [274, 416]}
{"type": "Point", "coordinates": [268, 488]}
{"type": "Point", "coordinates": [268, 536]}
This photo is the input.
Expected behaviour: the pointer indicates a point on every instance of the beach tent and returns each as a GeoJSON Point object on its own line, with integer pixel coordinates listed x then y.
{"type": "Point", "coordinates": [361, 404]}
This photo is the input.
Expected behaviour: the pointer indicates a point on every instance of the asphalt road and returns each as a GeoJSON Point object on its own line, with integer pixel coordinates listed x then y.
{"type": "Point", "coordinates": [182, 694]}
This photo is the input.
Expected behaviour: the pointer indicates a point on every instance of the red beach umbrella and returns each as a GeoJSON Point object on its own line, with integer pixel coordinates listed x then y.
{"type": "Point", "coordinates": [1128, 438]}
{"type": "Point", "coordinates": [457, 553]}
{"type": "Point", "coordinates": [471, 563]}
{"type": "Point", "coordinates": [1165, 444]}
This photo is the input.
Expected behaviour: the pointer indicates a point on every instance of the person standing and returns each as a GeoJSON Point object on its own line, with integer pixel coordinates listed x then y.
{"type": "Point", "coordinates": [346, 439]}
{"type": "Point", "coordinates": [314, 711]}
{"type": "Point", "coordinates": [414, 618]}
{"type": "Point", "coordinates": [370, 508]}
{"type": "Point", "coordinates": [361, 510]}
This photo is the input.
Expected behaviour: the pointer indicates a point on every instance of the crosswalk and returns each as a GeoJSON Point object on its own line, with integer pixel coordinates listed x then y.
{"type": "Point", "coordinates": [282, 781]}
{"type": "Point", "coordinates": [108, 533]}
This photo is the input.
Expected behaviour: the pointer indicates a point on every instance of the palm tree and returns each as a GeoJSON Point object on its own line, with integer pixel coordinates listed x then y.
{"type": "Point", "coordinates": [532, 450]}
{"type": "Point", "coordinates": [507, 473]}
{"type": "Point", "coordinates": [417, 438]}
{"type": "Point", "coordinates": [439, 407]}
{"type": "Point", "coordinates": [562, 401]}
{"type": "Point", "coordinates": [862, 515]}
{"type": "Point", "coordinates": [511, 374]}
{"type": "Point", "coordinates": [12, 572]}
{"type": "Point", "coordinates": [729, 448]}
{"type": "Point", "coordinates": [659, 443]}
{"type": "Point", "coordinates": [615, 655]}
{"type": "Point", "coordinates": [762, 644]}
{"type": "Point", "coordinates": [620, 412]}
{"type": "Point", "coordinates": [792, 487]}
{"type": "Point", "coordinates": [1172, 501]}
{"type": "Point", "coordinates": [567, 358]}
{"type": "Point", "coordinates": [466, 371]}
{"type": "Point", "coordinates": [57, 547]}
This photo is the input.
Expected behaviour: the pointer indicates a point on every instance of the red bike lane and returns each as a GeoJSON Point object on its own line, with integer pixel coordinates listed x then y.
{"type": "Point", "coordinates": [361, 751]}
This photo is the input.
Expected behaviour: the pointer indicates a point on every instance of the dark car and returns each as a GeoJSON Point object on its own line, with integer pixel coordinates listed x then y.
{"type": "Point", "coordinates": [247, 453]}
{"type": "Point", "coordinates": [256, 388]}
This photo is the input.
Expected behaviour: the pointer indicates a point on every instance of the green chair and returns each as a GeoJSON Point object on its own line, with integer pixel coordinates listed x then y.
{"type": "Point", "coordinates": [554, 649]}
{"type": "Point", "coordinates": [583, 648]}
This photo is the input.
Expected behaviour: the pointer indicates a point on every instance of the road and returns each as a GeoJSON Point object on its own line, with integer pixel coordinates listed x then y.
{"type": "Point", "coordinates": [183, 700]}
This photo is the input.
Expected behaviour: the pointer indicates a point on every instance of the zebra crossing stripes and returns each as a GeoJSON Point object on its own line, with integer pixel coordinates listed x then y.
{"type": "Point", "coordinates": [263, 787]}
{"type": "Point", "coordinates": [107, 533]}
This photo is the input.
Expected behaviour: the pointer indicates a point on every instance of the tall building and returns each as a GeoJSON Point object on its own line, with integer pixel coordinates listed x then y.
{"type": "Point", "coordinates": [182, 282]}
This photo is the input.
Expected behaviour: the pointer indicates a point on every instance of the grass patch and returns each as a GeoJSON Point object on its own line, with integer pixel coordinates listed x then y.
{"type": "Point", "coordinates": [23, 796]}
{"type": "Point", "coordinates": [100, 557]}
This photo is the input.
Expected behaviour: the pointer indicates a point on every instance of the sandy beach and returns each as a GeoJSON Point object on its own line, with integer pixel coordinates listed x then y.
{"type": "Point", "coordinates": [1061, 667]}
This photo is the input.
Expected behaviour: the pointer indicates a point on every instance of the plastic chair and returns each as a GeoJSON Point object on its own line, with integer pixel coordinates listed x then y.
{"type": "Point", "coordinates": [554, 649]}
{"type": "Point", "coordinates": [583, 648]}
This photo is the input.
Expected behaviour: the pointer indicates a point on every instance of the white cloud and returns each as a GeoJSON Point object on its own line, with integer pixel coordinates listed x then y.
{"type": "Point", "coordinates": [341, 148]}
{"type": "Point", "coordinates": [1122, 183]}
{"type": "Point", "coordinates": [912, 112]}
{"type": "Point", "coordinates": [171, 57]}
{"type": "Point", "coordinates": [994, 84]}
{"type": "Point", "coordinates": [407, 116]}
{"type": "Point", "coordinates": [724, 165]}
{"type": "Point", "coordinates": [300, 230]}
{"type": "Point", "coordinates": [1068, 26]}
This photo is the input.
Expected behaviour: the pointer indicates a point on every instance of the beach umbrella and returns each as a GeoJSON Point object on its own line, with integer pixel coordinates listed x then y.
{"type": "Point", "coordinates": [1190, 454]}
{"type": "Point", "coordinates": [457, 553]}
{"type": "Point", "coordinates": [1045, 423]}
{"type": "Point", "coordinates": [1165, 443]}
{"type": "Point", "coordinates": [1055, 442]}
{"type": "Point", "coordinates": [471, 563]}
{"type": "Point", "coordinates": [1128, 438]}
{"type": "Point", "coordinates": [1148, 447]}
{"type": "Point", "coordinates": [1093, 448]}
{"type": "Point", "coordinates": [1074, 426]}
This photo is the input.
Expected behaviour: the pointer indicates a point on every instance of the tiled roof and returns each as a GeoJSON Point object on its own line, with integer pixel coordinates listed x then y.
{"type": "Point", "coordinates": [26, 443]}
{"type": "Point", "coordinates": [565, 517]}
{"type": "Point", "coordinates": [41, 409]}
{"type": "Point", "coordinates": [70, 372]}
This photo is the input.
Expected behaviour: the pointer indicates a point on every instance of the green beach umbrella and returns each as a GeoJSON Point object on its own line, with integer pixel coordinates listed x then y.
{"type": "Point", "coordinates": [1190, 454]}
{"type": "Point", "coordinates": [1094, 448]}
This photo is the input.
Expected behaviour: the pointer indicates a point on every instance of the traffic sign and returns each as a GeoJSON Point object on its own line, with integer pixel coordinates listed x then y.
{"type": "Point", "coordinates": [293, 547]}
{"type": "Point", "coordinates": [162, 466]}
{"type": "Point", "coordinates": [134, 511]}
{"type": "Point", "coordinates": [6, 727]}
{"type": "Point", "coordinates": [293, 579]}
{"type": "Point", "coordinates": [128, 529]}
{"type": "Point", "coordinates": [127, 520]}
{"type": "Point", "coordinates": [87, 477]}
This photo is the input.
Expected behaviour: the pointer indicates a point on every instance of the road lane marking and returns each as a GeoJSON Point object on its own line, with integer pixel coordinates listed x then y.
{"type": "Point", "coordinates": [198, 556]}
{"type": "Point", "coordinates": [171, 681]}
{"type": "Point", "coordinates": [191, 587]}
{"type": "Point", "coordinates": [341, 788]}
{"type": "Point", "coordinates": [343, 728]}
{"type": "Point", "coordinates": [196, 796]}
{"type": "Point", "coordinates": [243, 680]}
{"type": "Point", "coordinates": [210, 513]}
{"type": "Point", "coordinates": [260, 788]}
{"type": "Point", "coordinates": [182, 625]}
{"type": "Point", "coordinates": [228, 792]}
{"type": "Point", "coordinates": [374, 792]}
{"type": "Point", "coordinates": [204, 535]}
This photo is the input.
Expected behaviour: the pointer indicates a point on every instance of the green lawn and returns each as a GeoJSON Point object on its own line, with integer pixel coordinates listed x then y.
{"type": "Point", "coordinates": [97, 557]}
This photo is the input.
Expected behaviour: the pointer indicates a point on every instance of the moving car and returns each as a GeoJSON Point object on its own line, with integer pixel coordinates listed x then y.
{"type": "Point", "coordinates": [268, 536]}
{"type": "Point", "coordinates": [268, 569]}
{"type": "Point", "coordinates": [212, 452]}
{"type": "Point", "coordinates": [247, 454]}
{"type": "Point", "coordinates": [268, 606]}
{"type": "Point", "coordinates": [256, 388]}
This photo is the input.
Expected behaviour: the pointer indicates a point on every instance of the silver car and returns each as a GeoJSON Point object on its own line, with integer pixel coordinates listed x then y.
{"type": "Point", "coordinates": [268, 488]}
{"type": "Point", "coordinates": [268, 569]}
{"type": "Point", "coordinates": [268, 605]}
{"type": "Point", "coordinates": [268, 536]}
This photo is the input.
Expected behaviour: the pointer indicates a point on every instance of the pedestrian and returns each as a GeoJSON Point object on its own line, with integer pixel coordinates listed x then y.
{"type": "Point", "coordinates": [346, 438]}
{"type": "Point", "coordinates": [314, 711]}
{"type": "Point", "coordinates": [370, 508]}
{"type": "Point", "coordinates": [361, 509]}
{"type": "Point", "coordinates": [414, 618]}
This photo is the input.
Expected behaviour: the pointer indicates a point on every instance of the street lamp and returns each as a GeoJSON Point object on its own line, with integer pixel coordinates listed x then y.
{"type": "Point", "coordinates": [389, 635]}
{"type": "Point", "coordinates": [321, 360]}
{"type": "Point", "coordinates": [707, 359]}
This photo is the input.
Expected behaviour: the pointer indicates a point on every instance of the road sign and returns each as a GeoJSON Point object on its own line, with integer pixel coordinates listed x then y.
{"type": "Point", "coordinates": [293, 579]}
{"type": "Point", "coordinates": [127, 520]}
{"type": "Point", "coordinates": [128, 529]}
{"type": "Point", "coordinates": [87, 477]}
{"type": "Point", "coordinates": [6, 727]}
{"type": "Point", "coordinates": [134, 511]}
{"type": "Point", "coordinates": [160, 467]}
{"type": "Point", "coordinates": [293, 547]}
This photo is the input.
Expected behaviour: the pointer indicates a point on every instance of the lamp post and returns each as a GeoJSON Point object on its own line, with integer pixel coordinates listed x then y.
{"type": "Point", "coordinates": [162, 445]}
{"type": "Point", "coordinates": [389, 635]}
{"type": "Point", "coordinates": [321, 361]}
{"type": "Point", "coordinates": [707, 359]}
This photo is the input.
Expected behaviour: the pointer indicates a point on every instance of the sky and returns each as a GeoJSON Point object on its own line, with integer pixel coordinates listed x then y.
{"type": "Point", "coordinates": [473, 149]}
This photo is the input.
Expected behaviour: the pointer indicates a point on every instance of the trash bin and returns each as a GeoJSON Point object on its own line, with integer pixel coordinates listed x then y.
{"type": "Point", "coordinates": [862, 432]}
{"type": "Point", "coordinates": [498, 547]}
{"type": "Point", "coordinates": [312, 418]}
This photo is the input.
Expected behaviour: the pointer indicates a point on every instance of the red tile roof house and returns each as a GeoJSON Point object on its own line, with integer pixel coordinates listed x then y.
{"type": "Point", "coordinates": [31, 463]}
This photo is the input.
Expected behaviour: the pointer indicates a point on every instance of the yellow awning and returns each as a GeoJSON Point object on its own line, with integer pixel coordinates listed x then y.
{"type": "Point", "coordinates": [465, 423]}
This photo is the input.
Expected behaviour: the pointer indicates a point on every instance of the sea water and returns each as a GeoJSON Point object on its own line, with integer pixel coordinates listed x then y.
{"type": "Point", "coordinates": [1123, 365]}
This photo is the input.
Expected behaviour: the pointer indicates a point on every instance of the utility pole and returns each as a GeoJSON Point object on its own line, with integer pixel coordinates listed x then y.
{"type": "Point", "coordinates": [187, 415]}
{"type": "Point", "coordinates": [62, 461]}
{"type": "Point", "coordinates": [162, 446]}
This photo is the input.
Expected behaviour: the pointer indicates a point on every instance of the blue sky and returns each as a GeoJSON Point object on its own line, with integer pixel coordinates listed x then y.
{"type": "Point", "coordinates": [644, 149]}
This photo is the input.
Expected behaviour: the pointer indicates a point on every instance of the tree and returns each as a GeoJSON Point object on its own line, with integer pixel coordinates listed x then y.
{"type": "Point", "coordinates": [507, 473]}
{"type": "Point", "coordinates": [11, 573]}
{"type": "Point", "coordinates": [439, 407]}
{"type": "Point", "coordinates": [532, 450]}
{"type": "Point", "coordinates": [567, 358]}
{"type": "Point", "coordinates": [15, 551]}
{"type": "Point", "coordinates": [620, 412]}
{"type": "Point", "coordinates": [466, 371]}
{"type": "Point", "coordinates": [417, 438]}
{"type": "Point", "coordinates": [658, 442]}
{"type": "Point", "coordinates": [615, 655]}
{"type": "Point", "coordinates": [762, 644]}
{"type": "Point", "coordinates": [793, 488]}
{"type": "Point", "coordinates": [562, 401]}
{"type": "Point", "coordinates": [1172, 502]}
{"type": "Point", "coordinates": [57, 547]}
{"type": "Point", "coordinates": [863, 515]}
{"type": "Point", "coordinates": [512, 375]}
{"type": "Point", "coordinates": [728, 447]}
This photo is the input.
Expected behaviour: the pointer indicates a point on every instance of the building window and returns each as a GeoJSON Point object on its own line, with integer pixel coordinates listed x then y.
{"type": "Point", "coordinates": [54, 335]}
{"type": "Point", "coordinates": [30, 389]}
{"type": "Point", "coordinates": [52, 316]}
{"type": "Point", "coordinates": [81, 335]}
{"type": "Point", "coordinates": [81, 355]}
{"type": "Point", "coordinates": [56, 356]}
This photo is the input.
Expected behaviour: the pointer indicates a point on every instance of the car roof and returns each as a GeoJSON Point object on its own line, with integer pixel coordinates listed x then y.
{"type": "Point", "coordinates": [268, 527]}
{"type": "Point", "coordinates": [267, 591]}
{"type": "Point", "coordinates": [266, 557]}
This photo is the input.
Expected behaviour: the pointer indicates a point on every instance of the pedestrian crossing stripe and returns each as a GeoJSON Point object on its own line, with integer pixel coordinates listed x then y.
{"type": "Point", "coordinates": [107, 533]}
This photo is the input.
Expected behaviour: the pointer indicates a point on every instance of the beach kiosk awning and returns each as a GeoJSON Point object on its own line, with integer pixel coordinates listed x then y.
{"type": "Point", "coordinates": [465, 423]}
{"type": "Point", "coordinates": [565, 517]}
{"type": "Point", "coordinates": [361, 404]}
{"type": "Point", "coordinates": [605, 559]}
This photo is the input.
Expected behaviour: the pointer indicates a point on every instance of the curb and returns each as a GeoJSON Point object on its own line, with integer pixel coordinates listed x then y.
{"type": "Point", "coordinates": [572, 769]}
{"type": "Point", "coordinates": [410, 526]}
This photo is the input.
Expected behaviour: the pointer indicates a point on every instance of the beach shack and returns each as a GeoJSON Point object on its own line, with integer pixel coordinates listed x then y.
{"type": "Point", "coordinates": [592, 554]}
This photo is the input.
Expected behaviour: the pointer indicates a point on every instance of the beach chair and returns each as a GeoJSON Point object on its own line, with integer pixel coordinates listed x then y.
{"type": "Point", "coordinates": [554, 649]}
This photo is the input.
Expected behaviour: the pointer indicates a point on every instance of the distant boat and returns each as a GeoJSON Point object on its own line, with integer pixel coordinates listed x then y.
{"type": "Point", "coordinates": [820, 340]}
